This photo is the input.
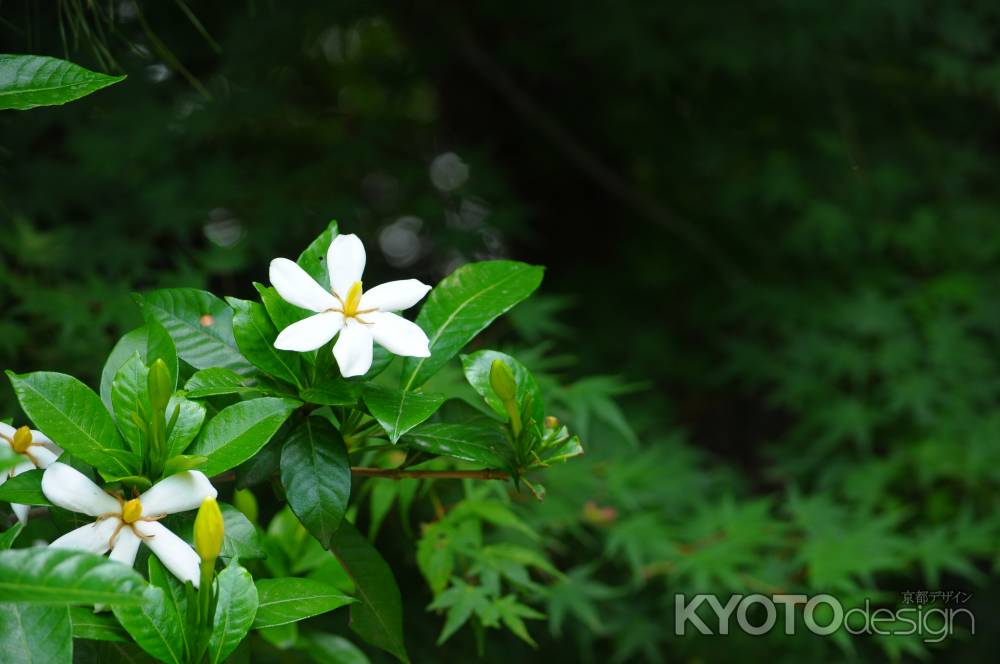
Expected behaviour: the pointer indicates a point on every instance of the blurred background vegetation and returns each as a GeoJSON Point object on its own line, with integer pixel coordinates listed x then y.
{"type": "Point", "coordinates": [772, 303]}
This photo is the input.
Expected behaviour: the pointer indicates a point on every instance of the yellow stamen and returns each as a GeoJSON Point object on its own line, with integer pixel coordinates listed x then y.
{"type": "Point", "coordinates": [131, 511]}
{"type": "Point", "coordinates": [22, 440]}
{"type": "Point", "coordinates": [353, 300]}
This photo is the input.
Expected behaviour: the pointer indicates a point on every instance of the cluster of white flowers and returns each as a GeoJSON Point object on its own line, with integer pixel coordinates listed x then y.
{"type": "Point", "coordinates": [361, 318]}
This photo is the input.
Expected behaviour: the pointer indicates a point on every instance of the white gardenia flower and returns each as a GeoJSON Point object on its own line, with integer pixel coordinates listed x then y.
{"type": "Point", "coordinates": [122, 524]}
{"type": "Point", "coordinates": [361, 317]}
{"type": "Point", "coordinates": [36, 450]}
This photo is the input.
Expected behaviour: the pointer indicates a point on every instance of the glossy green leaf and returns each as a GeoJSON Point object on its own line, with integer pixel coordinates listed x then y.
{"type": "Point", "coordinates": [190, 417]}
{"type": "Point", "coordinates": [25, 489]}
{"type": "Point", "coordinates": [313, 259]}
{"type": "Point", "coordinates": [234, 613]}
{"type": "Point", "coordinates": [201, 326]}
{"type": "Point", "coordinates": [477, 372]}
{"type": "Point", "coordinates": [255, 335]}
{"type": "Point", "coordinates": [155, 625]}
{"type": "Point", "coordinates": [182, 462]}
{"type": "Point", "coordinates": [292, 599]}
{"type": "Point", "coordinates": [240, 539]}
{"type": "Point", "coordinates": [34, 634]}
{"type": "Point", "coordinates": [131, 343]}
{"type": "Point", "coordinates": [73, 417]}
{"type": "Point", "coordinates": [316, 474]}
{"type": "Point", "coordinates": [175, 595]}
{"type": "Point", "coordinates": [462, 305]}
{"type": "Point", "coordinates": [239, 431]}
{"type": "Point", "coordinates": [130, 401]}
{"type": "Point", "coordinates": [399, 411]}
{"type": "Point", "coordinates": [95, 626]}
{"type": "Point", "coordinates": [61, 576]}
{"type": "Point", "coordinates": [8, 536]}
{"type": "Point", "coordinates": [482, 442]}
{"type": "Point", "coordinates": [29, 81]}
{"type": "Point", "coordinates": [215, 381]}
{"type": "Point", "coordinates": [378, 615]}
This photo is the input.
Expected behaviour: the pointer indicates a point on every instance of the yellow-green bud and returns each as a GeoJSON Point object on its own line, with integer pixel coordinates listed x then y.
{"type": "Point", "coordinates": [502, 381]}
{"type": "Point", "coordinates": [246, 502]}
{"type": "Point", "coordinates": [208, 530]}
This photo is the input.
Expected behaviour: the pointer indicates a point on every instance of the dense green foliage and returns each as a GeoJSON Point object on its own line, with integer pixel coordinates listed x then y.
{"type": "Point", "coordinates": [768, 233]}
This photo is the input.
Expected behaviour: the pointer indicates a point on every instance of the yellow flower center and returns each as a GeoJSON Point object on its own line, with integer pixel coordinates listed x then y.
{"type": "Point", "coordinates": [131, 511]}
{"type": "Point", "coordinates": [22, 440]}
{"type": "Point", "coordinates": [353, 300]}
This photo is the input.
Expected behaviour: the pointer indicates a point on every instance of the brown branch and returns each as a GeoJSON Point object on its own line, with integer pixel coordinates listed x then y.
{"type": "Point", "coordinates": [398, 474]}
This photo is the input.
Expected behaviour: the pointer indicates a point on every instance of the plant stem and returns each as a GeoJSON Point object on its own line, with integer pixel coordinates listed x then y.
{"type": "Point", "coordinates": [397, 474]}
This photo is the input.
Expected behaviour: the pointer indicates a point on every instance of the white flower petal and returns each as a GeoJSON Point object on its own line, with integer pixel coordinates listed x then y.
{"type": "Point", "coordinates": [126, 547]}
{"type": "Point", "coordinates": [21, 512]}
{"type": "Point", "coordinates": [295, 286]}
{"type": "Point", "coordinates": [353, 349]}
{"type": "Point", "coordinates": [175, 554]}
{"type": "Point", "coordinates": [398, 335]}
{"type": "Point", "coordinates": [394, 295]}
{"type": "Point", "coordinates": [6, 430]}
{"type": "Point", "coordinates": [70, 489]}
{"type": "Point", "coordinates": [42, 456]}
{"type": "Point", "coordinates": [22, 467]}
{"type": "Point", "coordinates": [93, 537]}
{"type": "Point", "coordinates": [39, 437]}
{"type": "Point", "coordinates": [346, 262]}
{"type": "Point", "coordinates": [177, 493]}
{"type": "Point", "coordinates": [310, 333]}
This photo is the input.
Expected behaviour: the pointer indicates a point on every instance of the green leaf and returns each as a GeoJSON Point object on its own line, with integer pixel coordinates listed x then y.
{"type": "Point", "coordinates": [331, 649]}
{"type": "Point", "coordinates": [241, 539]}
{"type": "Point", "coordinates": [73, 417]}
{"type": "Point", "coordinates": [95, 626]}
{"type": "Point", "coordinates": [313, 259]}
{"type": "Point", "coordinates": [61, 576]}
{"type": "Point", "coordinates": [239, 431]}
{"type": "Point", "coordinates": [24, 489]}
{"type": "Point", "coordinates": [255, 335]}
{"type": "Point", "coordinates": [175, 596]}
{"type": "Point", "coordinates": [130, 344]}
{"type": "Point", "coordinates": [462, 305]}
{"type": "Point", "coordinates": [316, 474]}
{"type": "Point", "coordinates": [182, 462]}
{"type": "Point", "coordinates": [281, 313]}
{"type": "Point", "coordinates": [398, 411]}
{"type": "Point", "coordinates": [130, 401]}
{"type": "Point", "coordinates": [155, 625]}
{"type": "Point", "coordinates": [201, 326]}
{"type": "Point", "coordinates": [378, 617]}
{"type": "Point", "coordinates": [8, 536]}
{"type": "Point", "coordinates": [215, 381]}
{"type": "Point", "coordinates": [29, 81]}
{"type": "Point", "coordinates": [189, 420]}
{"type": "Point", "coordinates": [234, 613]}
{"type": "Point", "coordinates": [292, 599]}
{"type": "Point", "coordinates": [477, 372]}
{"type": "Point", "coordinates": [33, 634]}
{"type": "Point", "coordinates": [480, 442]}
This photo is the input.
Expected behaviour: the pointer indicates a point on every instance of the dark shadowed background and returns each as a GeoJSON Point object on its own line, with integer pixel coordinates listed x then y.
{"type": "Point", "coordinates": [772, 297]}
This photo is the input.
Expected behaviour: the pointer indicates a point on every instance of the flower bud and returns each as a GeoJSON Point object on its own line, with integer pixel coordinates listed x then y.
{"type": "Point", "coordinates": [502, 381]}
{"type": "Point", "coordinates": [208, 530]}
{"type": "Point", "coordinates": [21, 440]}
{"type": "Point", "coordinates": [160, 385]}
